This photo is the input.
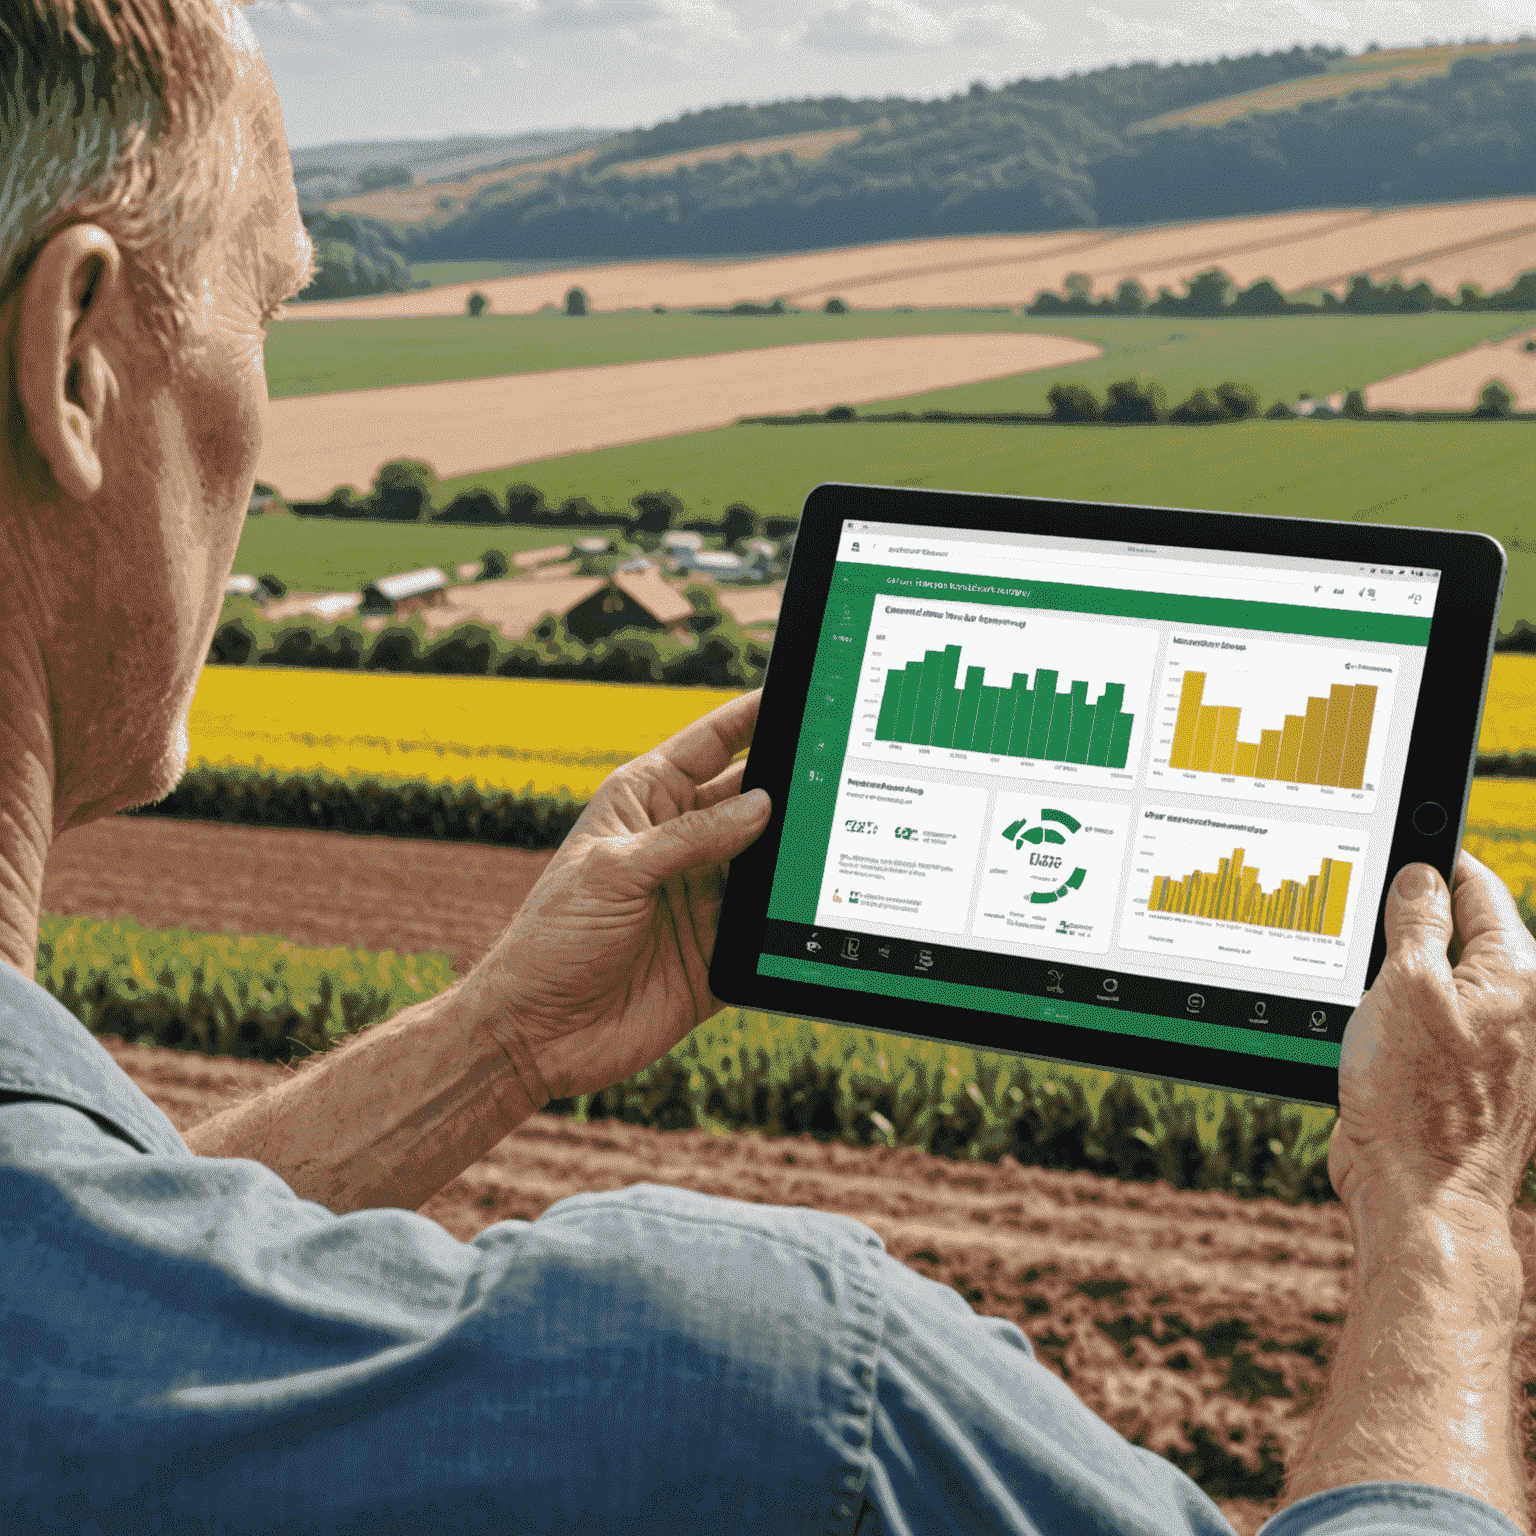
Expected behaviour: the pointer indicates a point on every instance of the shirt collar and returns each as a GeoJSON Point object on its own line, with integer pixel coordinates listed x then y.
{"type": "Point", "coordinates": [45, 1050]}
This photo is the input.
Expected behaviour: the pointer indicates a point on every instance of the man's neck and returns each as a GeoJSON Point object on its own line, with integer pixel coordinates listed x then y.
{"type": "Point", "coordinates": [26, 804]}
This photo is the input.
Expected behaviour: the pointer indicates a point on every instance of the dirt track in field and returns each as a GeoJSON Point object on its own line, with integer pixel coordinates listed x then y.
{"type": "Point", "coordinates": [1489, 243]}
{"type": "Point", "coordinates": [317, 442]}
{"type": "Point", "coordinates": [1455, 383]}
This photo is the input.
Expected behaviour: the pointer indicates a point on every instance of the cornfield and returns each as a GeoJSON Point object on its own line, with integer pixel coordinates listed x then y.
{"type": "Point", "coordinates": [525, 735]}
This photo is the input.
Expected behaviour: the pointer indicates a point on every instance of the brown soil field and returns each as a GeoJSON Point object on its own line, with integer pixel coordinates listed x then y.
{"type": "Point", "coordinates": [1454, 383]}
{"type": "Point", "coordinates": [413, 203]}
{"type": "Point", "coordinates": [1186, 1321]}
{"type": "Point", "coordinates": [1489, 243]}
{"type": "Point", "coordinates": [315, 888]}
{"type": "Point", "coordinates": [317, 442]}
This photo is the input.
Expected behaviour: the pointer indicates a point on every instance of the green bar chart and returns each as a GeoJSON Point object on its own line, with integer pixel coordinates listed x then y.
{"type": "Point", "coordinates": [929, 703]}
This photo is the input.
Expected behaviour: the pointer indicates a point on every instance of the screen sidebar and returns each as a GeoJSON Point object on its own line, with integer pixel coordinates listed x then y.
{"type": "Point", "coordinates": [1055, 779]}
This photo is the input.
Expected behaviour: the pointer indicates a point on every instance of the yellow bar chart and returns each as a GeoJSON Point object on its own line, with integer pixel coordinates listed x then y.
{"type": "Point", "coordinates": [1325, 744]}
{"type": "Point", "coordinates": [1233, 894]}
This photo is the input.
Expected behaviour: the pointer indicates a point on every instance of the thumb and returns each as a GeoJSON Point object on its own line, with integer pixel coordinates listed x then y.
{"type": "Point", "coordinates": [698, 838]}
{"type": "Point", "coordinates": [1418, 914]}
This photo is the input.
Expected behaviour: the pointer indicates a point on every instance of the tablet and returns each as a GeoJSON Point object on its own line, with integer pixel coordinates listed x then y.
{"type": "Point", "coordinates": [1116, 786]}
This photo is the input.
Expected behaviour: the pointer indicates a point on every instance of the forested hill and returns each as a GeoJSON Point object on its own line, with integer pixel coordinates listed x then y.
{"type": "Point", "coordinates": [1033, 155]}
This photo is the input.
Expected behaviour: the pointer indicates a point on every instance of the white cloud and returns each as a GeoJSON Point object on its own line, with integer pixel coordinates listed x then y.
{"type": "Point", "coordinates": [1319, 16]}
{"type": "Point", "coordinates": [978, 25]}
{"type": "Point", "coordinates": [876, 26]}
{"type": "Point", "coordinates": [399, 14]}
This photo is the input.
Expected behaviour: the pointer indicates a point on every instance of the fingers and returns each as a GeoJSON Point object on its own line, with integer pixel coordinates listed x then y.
{"type": "Point", "coordinates": [700, 838]}
{"type": "Point", "coordinates": [705, 748]}
{"type": "Point", "coordinates": [722, 786]}
{"type": "Point", "coordinates": [1487, 920]}
{"type": "Point", "coordinates": [1418, 915]}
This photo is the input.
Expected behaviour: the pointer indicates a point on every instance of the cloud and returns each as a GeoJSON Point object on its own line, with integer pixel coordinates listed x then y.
{"type": "Point", "coordinates": [1319, 16]}
{"type": "Point", "coordinates": [902, 26]}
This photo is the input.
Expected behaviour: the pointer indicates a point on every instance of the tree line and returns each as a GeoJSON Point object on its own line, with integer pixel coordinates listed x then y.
{"type": "Point", "coordinates": [1038, 155]}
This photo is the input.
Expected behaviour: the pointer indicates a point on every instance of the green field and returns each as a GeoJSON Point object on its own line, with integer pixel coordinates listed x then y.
{"type": "Point", "coordinates": [333, 554]}
{"type": "Point", "coordinates": [1282, 356]}
{"type": "Point", "coordinates": [1471, 475]}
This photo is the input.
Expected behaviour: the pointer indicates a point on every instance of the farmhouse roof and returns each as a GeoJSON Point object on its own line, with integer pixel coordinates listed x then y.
{"type": "Point", "coordinates": [664, 604]}
{"type": "Point", "coordinates": [411, 583]}
{"type": "Point", "coordinates": [241, 586]}
{"type": "Point", "coordinates": [681, 538]}
{"type": "Point", "coordinates": [593, 545]}
{"type": "Point", "coordinates": [717, 560]}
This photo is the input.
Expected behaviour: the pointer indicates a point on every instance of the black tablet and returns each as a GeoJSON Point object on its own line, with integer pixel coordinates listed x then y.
{"type": "Point", "coordinates": [1117, 786]}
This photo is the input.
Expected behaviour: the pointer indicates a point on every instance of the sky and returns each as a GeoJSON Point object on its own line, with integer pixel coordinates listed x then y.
{"type": "Point", "coordinates": [405, 69]}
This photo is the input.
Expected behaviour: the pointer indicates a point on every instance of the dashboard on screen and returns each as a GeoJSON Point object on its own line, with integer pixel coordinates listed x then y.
{"type": "Point", "coordinates": [1107, 784]}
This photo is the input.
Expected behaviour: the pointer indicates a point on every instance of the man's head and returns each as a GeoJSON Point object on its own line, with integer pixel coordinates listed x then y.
{"type": "Point", "coordinates": [148, 227]}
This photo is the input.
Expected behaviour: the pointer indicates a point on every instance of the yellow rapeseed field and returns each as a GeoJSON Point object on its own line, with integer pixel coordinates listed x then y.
{"type": "Point", "coordinates": [1509, 718]}
{"type": "Point", "coordinates": [518, 734]}
{"type": "Point", "coordinates": [1501, 831]}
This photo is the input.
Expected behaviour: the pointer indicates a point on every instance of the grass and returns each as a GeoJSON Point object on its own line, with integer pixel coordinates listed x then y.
{"type": "Point", "coordinates": [339, 555]}
{"type": "Point", "coordinates": [442, 274]}
{"type": "Point", "coordinates": [1282, 356]}
{"type": "Point", "coordinates": [1460, 475]}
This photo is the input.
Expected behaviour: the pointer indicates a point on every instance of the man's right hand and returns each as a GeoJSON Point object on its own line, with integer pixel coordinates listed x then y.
{"type": "Point", "coordinates": [1437, 1074]}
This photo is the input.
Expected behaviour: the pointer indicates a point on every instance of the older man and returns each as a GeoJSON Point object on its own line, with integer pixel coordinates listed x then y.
{"type": "Point", "coordinates": [251, 1330]}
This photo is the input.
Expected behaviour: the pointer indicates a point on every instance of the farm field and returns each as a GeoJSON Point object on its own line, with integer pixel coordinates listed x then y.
{"type": "Point", "coordinates": [333, 554]}
{"type": "Point", "coordinates": [1488, 242]}
{"type": "Point", "coordinates": [1212, 1345]}
{"type": "Point", "coordinates": [517, 734]}
{"type": "Point", "coordinates": [314, 443]}
{"type": "Point", "coordinates": [1425, 474]}
{"type": "Point", "coordinates": [1446, 385]}
{"type": "Point", "coordinates": [1281, 355]}
{"type": "Point", "coordinates": [1365, 71]}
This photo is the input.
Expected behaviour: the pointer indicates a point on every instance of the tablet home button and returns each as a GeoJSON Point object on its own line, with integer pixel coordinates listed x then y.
{"type": "Point", "coordinates": [1429, 819]}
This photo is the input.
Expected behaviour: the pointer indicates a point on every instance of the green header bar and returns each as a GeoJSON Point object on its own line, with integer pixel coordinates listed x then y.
{"type": "Point", "coordinates": [1113, 1021]}
{"type": "Point", "coordinates": [1166, 607]}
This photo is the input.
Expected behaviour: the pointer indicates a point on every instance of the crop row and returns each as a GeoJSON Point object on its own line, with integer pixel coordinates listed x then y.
{"type": "Point", "coordinates": [265, 999]}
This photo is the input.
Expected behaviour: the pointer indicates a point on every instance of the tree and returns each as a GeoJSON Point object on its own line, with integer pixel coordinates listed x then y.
{"type": "Point", "coordinates": [655, 513]}
{"type": "Point", "coordinates": [1071, 402]}
{"type": "Point", "coordinates": [1133, 400]}
{"type": "Point", "coordinates": [1209, 293]}
{"type": "Point", "coordinates": [472, 506]}
{"type": "Point", "coordinates": [841, 413]}
{"type": "Point", "coordinates": [1239, 401]}
{"type": "Point", "coordinates": [1130, 298]}
{"type": "Point", "coordinates": [475, 304]}
{"type": "Point", "coordinates": [1354, 406]}
{"type": "Point", "coordinates": [404, 491]}
{"type": "Point", "coordinates": [1263, 298]}
{"type": "Point", "coordinates": [1495, 401]}
{"type": "Point", "coordinates": [1199, 410]}
{"type": "Point", "coordinates": [493, 565]}
{"type": "Point", "coordinates": [525, 503]}
{"type": "Point", "coordinates": [834, 307]}
{"type": "Point", "coordinates": [740, 522]}
{"type": "Point", "coordinates": [576, 302]}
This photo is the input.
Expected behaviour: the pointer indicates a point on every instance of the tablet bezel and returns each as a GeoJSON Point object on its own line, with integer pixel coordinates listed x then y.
{"type": "Point", "coordinates": [1441, 756]}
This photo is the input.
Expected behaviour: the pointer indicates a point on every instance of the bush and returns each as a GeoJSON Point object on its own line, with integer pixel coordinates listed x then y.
{"type": "Point", "coordinates": [493, 566]}
{"type": "Point", "coordinates": [655, 513]}
{"type": "Point", "coordinates": [834, 307]}
{"type": "Point", "coordinates": [272, 586]}
{"type": "Point", "coordinates": [1280, 411]}
{"type": "Point", "coordinates": [841, 413]}
{"type": "Point", "coordinates": [1071, 402]}
{"type": "Point", "coordinates": [576, 302]}
{"type": "Point", "coordinates": [466, 650]}
{"type": "Point", "coordinates": [525, 503]}
{"type": "Point", "coordinates": [1135, 400]}
{"type": "Point", "coordinates": [1495, 402]}
{"type": "Point", "coordinates": [1354, 406]}
{"type": "Point", "coordinates": [398, 647]}
{"type": "Point", "coordinates": [475, 304]}
{"type": "Point", "coordinates": [241, 634]}
{"type": "Point", "coordinates": [404, 491]}
{"type": "Point", "coordinates": [1239, 401]}
{"type": "Point", "coordinates": [338, 646]}
{"type": "Point", "coordinates": [739, 522]}
{"type": "Point", "coordinates": [1198, 410]}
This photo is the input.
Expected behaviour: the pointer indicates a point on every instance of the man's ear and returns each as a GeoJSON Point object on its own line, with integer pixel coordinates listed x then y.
{"type": "Point", "coordinates": [62, 372]}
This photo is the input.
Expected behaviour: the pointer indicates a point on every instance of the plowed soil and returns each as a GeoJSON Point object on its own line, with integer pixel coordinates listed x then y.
{"type": "Point", "coordinates": [1455, 383]}
{"type": "Point", "coordinates": [317, 442]}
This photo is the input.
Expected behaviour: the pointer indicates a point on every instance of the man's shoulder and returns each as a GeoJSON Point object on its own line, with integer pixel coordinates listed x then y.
{"type": "Point", "coordinates": [47, 1053]}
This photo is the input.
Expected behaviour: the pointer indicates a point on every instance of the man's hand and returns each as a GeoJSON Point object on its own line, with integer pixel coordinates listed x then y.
{"type": "Point", "coordinates": [1437, 1075]}
{"type": "Point", "coordinates": [606, 966]}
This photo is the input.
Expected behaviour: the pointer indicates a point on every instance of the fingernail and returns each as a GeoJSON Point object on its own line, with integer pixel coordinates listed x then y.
{"type": "Point", "coordinates": [1411, 883]}
{"type": "Point", "coordinates": [749, 807]}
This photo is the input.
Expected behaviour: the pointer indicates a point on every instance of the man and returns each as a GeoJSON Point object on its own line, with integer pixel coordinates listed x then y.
{"type": "Point", "coordinates": [251, 1329]}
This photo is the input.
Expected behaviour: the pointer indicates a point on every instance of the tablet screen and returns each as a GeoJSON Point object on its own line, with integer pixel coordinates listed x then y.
{"type": "Point", "coordinates": [1140, 789]}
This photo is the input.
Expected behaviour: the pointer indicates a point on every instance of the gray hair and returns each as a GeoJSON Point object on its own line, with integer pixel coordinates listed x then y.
{"type": "Point", "coordinates": [106, 109]}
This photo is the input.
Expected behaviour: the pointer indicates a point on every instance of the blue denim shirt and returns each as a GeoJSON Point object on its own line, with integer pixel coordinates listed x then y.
{"type": "Point", "coordinates": [190, 1347]}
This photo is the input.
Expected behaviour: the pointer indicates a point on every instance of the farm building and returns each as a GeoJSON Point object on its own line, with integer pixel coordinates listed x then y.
{"type": "Point", "coordinates": [406, 593]}
{"type": "Point", "coordinates": [593, 544]}
{"type": "Point", "coordinates": [676, 540]}
{"type": "Point", "coordinates": [720, 565]}
{"type": "Point", "coordinates": [243, 586]}
{"type": "Point", "coordinates": [628, 599]}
